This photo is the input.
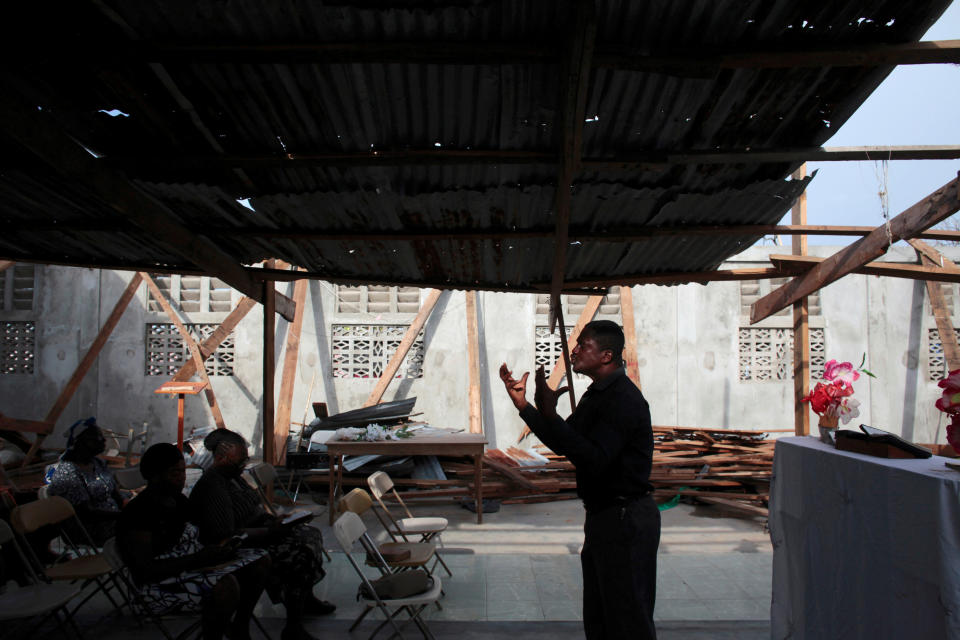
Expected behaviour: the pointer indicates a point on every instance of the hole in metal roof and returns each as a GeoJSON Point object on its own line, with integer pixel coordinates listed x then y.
{"type": "Point", "coordinates": [113, 113]}
{"type": "Point", "coordinates": [245, 202]}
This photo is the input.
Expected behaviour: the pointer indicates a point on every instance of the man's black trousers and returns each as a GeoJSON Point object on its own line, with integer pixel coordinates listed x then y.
{"type": "Point", "coordinates": [619, 561]}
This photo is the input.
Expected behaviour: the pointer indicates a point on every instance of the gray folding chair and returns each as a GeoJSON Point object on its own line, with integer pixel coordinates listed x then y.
{"type": "Point", "coordinates": [36, 601]}
{"type": "Point", "coordinates": [349, 529]}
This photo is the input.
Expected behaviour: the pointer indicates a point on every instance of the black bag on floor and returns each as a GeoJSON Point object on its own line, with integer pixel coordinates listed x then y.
{"type": "Point", "coordinates": [397, 585]}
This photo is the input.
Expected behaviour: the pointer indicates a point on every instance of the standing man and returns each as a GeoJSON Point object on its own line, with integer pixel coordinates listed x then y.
{"type": "Point", "coordinates": [609, 440]}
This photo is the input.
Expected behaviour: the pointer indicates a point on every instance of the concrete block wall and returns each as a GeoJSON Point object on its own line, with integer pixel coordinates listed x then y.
{"type": "Point", "coordinates": [688, 357]}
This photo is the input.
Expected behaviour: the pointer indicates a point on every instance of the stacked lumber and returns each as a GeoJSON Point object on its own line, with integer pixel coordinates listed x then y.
{"type": "Point", "coordinates": [725, 467]}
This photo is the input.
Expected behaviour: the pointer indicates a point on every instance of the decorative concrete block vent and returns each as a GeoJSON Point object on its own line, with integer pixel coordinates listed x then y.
{"type": "Point", "coordinates": [18, 347]}
{"type": "Point", "coordinates": [166, 351]}
{"type": "Point", "coordinates": [766, 355]}
{"type": "Point", "coordinates": [364, 350]}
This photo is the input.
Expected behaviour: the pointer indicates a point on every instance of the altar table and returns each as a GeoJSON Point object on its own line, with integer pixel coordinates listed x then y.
{"type": "Point", "coordinates": [863, 547]}
{"type": "Point", "coordinates": [449, 444]}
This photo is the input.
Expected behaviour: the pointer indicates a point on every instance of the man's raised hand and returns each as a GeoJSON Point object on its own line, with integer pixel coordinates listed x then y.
{"type": "Point", "coordinates": [516, 389]}
{"type": "Point", "coordinates": [544, 397]}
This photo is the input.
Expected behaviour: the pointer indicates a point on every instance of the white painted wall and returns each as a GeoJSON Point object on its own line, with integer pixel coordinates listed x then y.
{"type": "Point", "coordinates": [687, 354]}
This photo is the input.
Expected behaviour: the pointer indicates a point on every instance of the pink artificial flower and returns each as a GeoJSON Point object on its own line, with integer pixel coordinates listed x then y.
{"type": "Point", "coordinates": [843, 371]}
{"type": "Point", "coordinates": [848, 409]}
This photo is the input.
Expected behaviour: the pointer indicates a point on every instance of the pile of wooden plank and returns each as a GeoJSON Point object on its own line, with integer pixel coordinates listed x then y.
{"type": "Point", "coordinates": [716, 466]}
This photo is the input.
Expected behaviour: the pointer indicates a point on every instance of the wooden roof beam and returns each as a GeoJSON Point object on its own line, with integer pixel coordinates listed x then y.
{"type": "Point", "coordinates": [576, 84]}
{"type": "Point", "coordinates": [575, 234]}
{"type": "Point", "coordinates": [626, 161]}
{"type": "Point", "coordinates": [936, 207]}
{"type": "Point", "coordinates": [791, 263]}
{"type": "Point", "coordinates": [40, 134]}
{"type": "Point", "coordinates": [474, 53]}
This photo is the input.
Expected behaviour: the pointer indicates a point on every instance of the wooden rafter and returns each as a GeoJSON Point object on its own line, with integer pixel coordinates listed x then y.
{"type": "Point", "coordinates": [5, 264]}
{"type": "Point", "coordinates": [575, 82]}
{"type": "Point", "coordinates": [890, 269]}
{"type": "Point", "coordinates": [145, 164]}
{"type": "Point", "coordinates": [405, 343]}
{"type": "Point", "coordinates": [930, 257]}
{"type": "Point", "coordinates": [924, 214]}
{"type": "Point", "coordinates": [208, 346]}
{"type": "Point", "coordinates": [465, 53]}
{"type": "Point", "coordinates": [85, 363]}
{"type": "Point", "coordinates": [191, 345]}
{"type": "Point", "coordinates": [288, 375]}
{"type": "Point", "coordinates": [447, 235]}
{"type": "Point", "coordinates": [39, 133]}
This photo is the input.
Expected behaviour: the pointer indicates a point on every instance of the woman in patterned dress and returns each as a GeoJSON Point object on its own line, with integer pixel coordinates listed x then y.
{"type": "Point", "coordinates": [223, 504]}
{"type": "Point", "coordinates": [172, 569]}
{"type": "Point", "coordinates": [86, 481]}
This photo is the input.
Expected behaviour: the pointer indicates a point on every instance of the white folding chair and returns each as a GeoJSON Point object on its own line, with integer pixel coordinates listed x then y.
{"type": "Point", "coordinates": [348, 529]}
{"type": "Point", "coordinates": [36, 600]}
{"type": "Point", "coordinates": [429, 528]}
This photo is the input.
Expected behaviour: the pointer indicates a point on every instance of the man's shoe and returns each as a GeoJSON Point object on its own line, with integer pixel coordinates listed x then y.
{"type": "Point", "coordinates": [316, 607]}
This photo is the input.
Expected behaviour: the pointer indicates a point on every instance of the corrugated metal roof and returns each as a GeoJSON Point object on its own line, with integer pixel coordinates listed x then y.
{"type": "Point", "coordinates": [189, 108]}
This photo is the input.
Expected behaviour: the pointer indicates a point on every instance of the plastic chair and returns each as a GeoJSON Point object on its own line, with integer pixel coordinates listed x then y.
{"type": "Point", "coordinates": [348, 529]}
{"type": "Point", "coordinates": [428, 528]}
{"type": "Point", "coordinates": [36, 600]}
{"type": "Point", "coordinates": [87, 565]}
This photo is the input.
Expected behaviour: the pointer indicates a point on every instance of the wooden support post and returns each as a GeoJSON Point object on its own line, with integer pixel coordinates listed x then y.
{"type": "Point", "coordinates": [289, 375]}
{"type": "Point", "coordinates": [930, 257]}
{"type": "Point", "coordinates": [565, 347]}
{"type": "Point", "coordinates": [473, 353]}
{"type": "Point", "coordinates": [801, 324]}
{"type": "Point", "coordinates": [405, 344]}
{"type": "Point", "coordinates": [629, 334]}
{"type": "Point", "coordinates": [191, 345]}
{"type": "Point", "coordinates": [935, 208]}
{"type": "Point", "coordinates": [208, 346]}
{"type": "Point", "coordinates": [575, 86]}
{"type": "Point", "coordinates": [88, 359]}
{"type": "Point", "coordinates": [269, 368]}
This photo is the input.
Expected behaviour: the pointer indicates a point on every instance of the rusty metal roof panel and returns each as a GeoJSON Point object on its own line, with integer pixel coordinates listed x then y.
{"type": "Point", "coordinates": [200, 134]}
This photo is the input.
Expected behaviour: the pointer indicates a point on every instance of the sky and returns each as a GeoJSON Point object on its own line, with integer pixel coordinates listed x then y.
{"type": "Point", "coordinates": [915, 105]}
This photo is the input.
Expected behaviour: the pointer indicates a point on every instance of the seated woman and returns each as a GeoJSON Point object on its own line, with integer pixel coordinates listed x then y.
{"type": "Point", "coordinates": [86, 481]}
{"type": "Point", "coordinates": [224, 505]}
{"type": "Point", "coordinates": [164, 557]}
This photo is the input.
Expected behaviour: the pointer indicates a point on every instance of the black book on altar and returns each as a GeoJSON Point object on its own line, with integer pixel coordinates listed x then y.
{"type": "Point", "coordinates": [877, 442]}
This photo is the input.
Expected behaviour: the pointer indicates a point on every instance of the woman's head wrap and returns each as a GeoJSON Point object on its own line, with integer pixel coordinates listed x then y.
{"type": "Point", "coordinates": [158, 458]}
{"type": "Point", "coordinates": [74, 432]}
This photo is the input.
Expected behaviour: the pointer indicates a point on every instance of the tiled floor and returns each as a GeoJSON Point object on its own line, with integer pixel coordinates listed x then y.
{"type": "Point", "coordinates": [520, 572]}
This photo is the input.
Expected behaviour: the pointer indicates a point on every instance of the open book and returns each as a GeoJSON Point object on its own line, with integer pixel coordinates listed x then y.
{"type": "Point", "coordinates": [297, 516]}
{"type": "Point", "coordinates": [848, 440]}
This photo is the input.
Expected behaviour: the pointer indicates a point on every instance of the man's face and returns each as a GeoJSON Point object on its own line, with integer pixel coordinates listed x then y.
{"type": "Point", "coordinates": [234, 459]}
{"type": "Point", "coordinates": [587, 357]}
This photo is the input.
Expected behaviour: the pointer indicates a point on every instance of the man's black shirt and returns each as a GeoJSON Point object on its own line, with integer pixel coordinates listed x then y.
{"type": "Point", "coordinates": [608, 438]}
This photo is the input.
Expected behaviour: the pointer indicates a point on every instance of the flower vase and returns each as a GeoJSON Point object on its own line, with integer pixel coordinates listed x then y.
{"type": "Point", "coordinates": [828, 429]}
